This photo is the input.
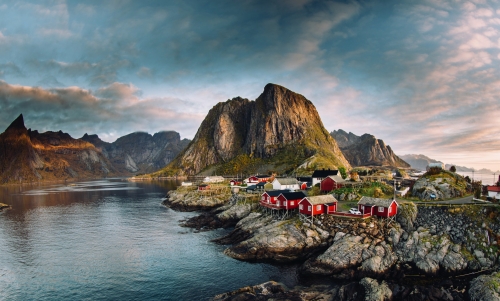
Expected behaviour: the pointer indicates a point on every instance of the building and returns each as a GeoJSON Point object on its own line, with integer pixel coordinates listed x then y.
{"type": "Point", "coordinates": [378, 207]}
{"type": "Point", "coordinates": [286, 183]}
{"type": "Point", "coordinates": [203, 187]}
{"type": "Point", "coordinates": [331, 183]}
{"type": "Point", "coordinates": [493, 192]}
{"type": "Point", "coordinates": [315, 205]}
{"type": "Point", "coordinates": [290, 200]}
{"type": "Point", "coordinates": [269, 198]}
{"type": "Point", "coordinates": [213, 179]}
{"type": "Point", "coordinates": [256, 179]}
{"type": "Point", "coordinates": [235, 182]}
{"type": "Point", "coordinates": [260, 186]}
{"type": "Point", "coordinates": [320, 175]}
{"type": "Point", "coordinates": [437, 165]}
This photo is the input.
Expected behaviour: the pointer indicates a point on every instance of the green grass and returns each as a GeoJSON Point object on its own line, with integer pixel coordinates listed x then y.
{"type": "Point", "coordinates": [345, 206]}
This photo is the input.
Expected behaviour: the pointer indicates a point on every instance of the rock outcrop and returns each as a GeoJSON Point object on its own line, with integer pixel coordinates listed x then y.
{"type": "Point", "coordinates": [140, 152]}
{"type": "Point", "coordinates": [441, 186]}
{"type": "Point", "coordinates": [29, 156]}
{"type": "Point", "coordinates": [485, 288]}
{"type": "Point", "coordinates": [366, 150]}
{"type": "Point", "coordinates": [279, 131]}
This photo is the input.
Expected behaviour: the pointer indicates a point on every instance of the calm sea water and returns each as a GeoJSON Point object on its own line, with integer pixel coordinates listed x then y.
{"type": "Point", "coordinates": [487, 179]}
{"type": "Point", "coordinates": [112, 240]}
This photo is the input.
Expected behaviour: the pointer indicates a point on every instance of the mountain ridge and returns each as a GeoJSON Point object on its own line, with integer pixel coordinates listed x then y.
{"type": "Point", "coordinates": [366, 150]}
{"type": "Point", "coordinates": [278, 132]}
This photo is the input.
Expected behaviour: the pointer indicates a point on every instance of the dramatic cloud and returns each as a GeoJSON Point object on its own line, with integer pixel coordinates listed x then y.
{"type": "Point", "coordinates": [111, 112]}
{"type": "Point", "coordinates": [421, 75]}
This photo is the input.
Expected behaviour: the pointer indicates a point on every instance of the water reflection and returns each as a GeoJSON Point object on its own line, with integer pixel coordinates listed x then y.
{"type": "Point", "coordinates": [112, 239]}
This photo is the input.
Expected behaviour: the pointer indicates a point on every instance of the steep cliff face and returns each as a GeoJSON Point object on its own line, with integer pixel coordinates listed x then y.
{"type": "Point", "coordinates": [140, 152]}
{"type": "Point", "coordinates": [280, 130]}
{"type": "Point", "coordinates": [29, 156]}
{"type": "Point", "coordinates": [367, 150]}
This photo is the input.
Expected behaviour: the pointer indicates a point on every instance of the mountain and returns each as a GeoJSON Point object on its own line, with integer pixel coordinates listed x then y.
{"type": "Point", "coordinates": [280, 131]}
{"type": "Point", "coordinates": [29, 156]}
{"type": "Point", "coordinates": [419, 161]}
{"type": "Point", "coordinates": [366, 150]}
{"type": "Point", "coordinates": [140, 152]}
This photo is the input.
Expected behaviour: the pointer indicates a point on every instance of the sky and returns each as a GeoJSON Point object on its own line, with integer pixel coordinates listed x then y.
{"type": "Point", "coordinates": [423, 76]}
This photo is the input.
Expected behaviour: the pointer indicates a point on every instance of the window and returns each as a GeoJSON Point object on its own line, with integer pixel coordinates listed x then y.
{"type": "Point", "coordinates": [390, 209]}
{"type": "Point", "coordinates": [318, 207]}
{"type": "Point", "coordinates": [301, 207]}
{"type": "Point", "coordinates": [309, 208]}
{"type": "Point", "coordinates": [292, 203]}
{"type": "Point", "coordinates": [380, 209]}
{"type": "Point", "coordinates": [278, 203]}
{"type": "Point", "coordinates": [362, 207]}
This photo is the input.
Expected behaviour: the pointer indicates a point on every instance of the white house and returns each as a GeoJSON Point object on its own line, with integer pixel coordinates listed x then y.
{"type": "Point", "coordinates": [286, 183]}
{"type": "Point", "coordinates": [438, 165]}
{"type": "Point", "coordinates": [214, 179]}
{"type": "Point", "coordinates": [320, 175]}
{"type": "Point", "coordinates": [494, 192]}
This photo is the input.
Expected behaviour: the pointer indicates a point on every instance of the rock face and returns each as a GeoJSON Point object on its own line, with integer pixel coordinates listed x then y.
{"type": "Point", "coordinates": [140, 152]}
{"type": "Point", "coordinates": [485, 288]}
{"type": "Point", "coordinates": [366, 150]}
{"type": "Point", "coordinates": [442, 186]}
{"type": "Point", "coordinates": [29, 156]}
{"type": "Point", "coordinates": [418, 161]}
{"type": "Point", "coordinates": [279, 122]}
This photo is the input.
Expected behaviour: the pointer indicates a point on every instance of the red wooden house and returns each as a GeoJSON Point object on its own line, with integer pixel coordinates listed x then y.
{"type": "Point", "coordinates": [290, 200]}
{"type": "Point", "coordinates": [331, 183]}
{"type": "Point", "coordinates": [234, 182]}
{"type": "Point", "coordinates": [203, 187]}
{"type": "Point", "coordinates": [315, 205]}
{"type": "Point", "coordinates": [257, 179]}
{"type": "Point", "coordinates": [378, 207]}
{"type": "Point", "coordinates": [331, 208]}
{"type": "Point", "coordinates": [269, 198]}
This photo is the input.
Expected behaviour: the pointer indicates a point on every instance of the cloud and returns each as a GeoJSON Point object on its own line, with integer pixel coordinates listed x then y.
{"type": "Point", "coordinates": [111, 112]}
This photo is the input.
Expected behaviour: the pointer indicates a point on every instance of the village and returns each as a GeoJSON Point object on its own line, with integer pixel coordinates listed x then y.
{"type": "Point", "coordinates": [284, 197]}
{"type": "Point", "coordinates": [325, 192]}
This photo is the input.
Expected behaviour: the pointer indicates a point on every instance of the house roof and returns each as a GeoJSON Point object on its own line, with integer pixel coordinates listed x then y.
{"type": "Point", "coordinates": [262, 177]}
{"type": "Point", "coordinates": [251, 187]}
{"type": "Point", "coordinates": [304, 179]}
{"type": "Point", "coordinates": [493, 188]}
{"type": "Point", "coordinates": [299, 195]}
{"type": "Point", "coordinates": [324, 173]}
{"type": "Point", "coordinates": [203, 185]}
{"type": "Point", "coordinates": [321, 199]}
{"type": "Point", "coordinates": [275, 192]}
{"type": "Point", "coordinates": [368, 201]}
{"type": "Point", "coordinates": [261, 183]}
{"type": "Point", "coordinates": [287, 181]}
{"type": "Point", "coordinates": [337, 178]}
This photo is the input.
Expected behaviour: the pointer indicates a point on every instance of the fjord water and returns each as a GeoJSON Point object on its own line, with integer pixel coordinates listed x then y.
{"type": "Point", "coordinates": [112, 240]}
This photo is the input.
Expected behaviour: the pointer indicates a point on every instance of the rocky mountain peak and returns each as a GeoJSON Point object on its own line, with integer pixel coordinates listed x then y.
{"type": "Point", "coordinates": [278, 121]}
{"type": "Point", "coordinates": [366, 150]}
{"type": "Point", "coordinates": [17, 124]}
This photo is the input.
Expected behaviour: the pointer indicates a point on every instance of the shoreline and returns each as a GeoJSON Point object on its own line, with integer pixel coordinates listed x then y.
{"type": "Point", "coordinates": [376, 255]}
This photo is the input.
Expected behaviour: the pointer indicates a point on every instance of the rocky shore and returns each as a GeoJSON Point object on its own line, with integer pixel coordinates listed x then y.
{"type": "Point", "coordinates": [373, 256]}
{"type": "Point", "coordinates": [4, 206]}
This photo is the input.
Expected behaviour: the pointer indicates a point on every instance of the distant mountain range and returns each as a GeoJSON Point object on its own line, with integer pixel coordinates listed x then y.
{"type": "Point", "coordinates": [140, 152]}
{"type": "Point", "coordinates": [421, 161]}
{"type": "Point", "coordinates": [366, 150]}
{"type": "Point", "coordinates": [280, 131]}
{"type": "Point", "coordinates": [30, 156]}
